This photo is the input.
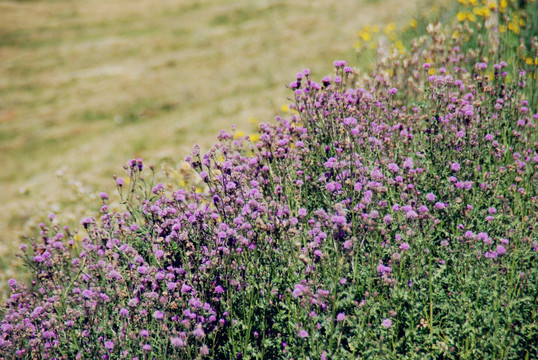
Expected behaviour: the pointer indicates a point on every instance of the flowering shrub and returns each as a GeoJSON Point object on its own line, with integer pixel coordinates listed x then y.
{"type": "Point", "coordinates": [392, 214]}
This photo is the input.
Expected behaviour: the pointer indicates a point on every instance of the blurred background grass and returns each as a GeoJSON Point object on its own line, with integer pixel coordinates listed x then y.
{"type": "Point", "coordinates": [87, 85]}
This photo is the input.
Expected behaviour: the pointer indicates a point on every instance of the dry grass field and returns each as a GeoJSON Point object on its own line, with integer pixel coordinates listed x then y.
{"type": "Point", "coordinates": [87, 85]}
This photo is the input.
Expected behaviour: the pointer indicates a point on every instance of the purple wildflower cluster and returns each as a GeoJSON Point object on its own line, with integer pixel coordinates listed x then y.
{"type": "Point", "coordinates": [344, 215]}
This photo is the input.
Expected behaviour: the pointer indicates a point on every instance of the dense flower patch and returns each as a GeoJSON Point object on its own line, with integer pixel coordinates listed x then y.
{"type": "Point", "coordinates": [390, 214]}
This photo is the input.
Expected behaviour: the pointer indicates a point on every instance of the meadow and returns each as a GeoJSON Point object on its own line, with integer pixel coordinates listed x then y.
{"type": "Point", "coordinates": [86, 85]}
{"type": "Point", "coordinates": [384, 214]}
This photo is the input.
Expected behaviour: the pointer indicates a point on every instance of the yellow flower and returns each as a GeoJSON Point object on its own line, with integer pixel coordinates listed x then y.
{"type": "Point", "coordinates": [432, 71]}
{"type": "Point", "coordinates": [365, 35]}
{"type": "Point", "coordinates": [254, 137]}
{"type": "Point", "coordinates": [239, 134]}
{"type": "Point", "coordinates": [481, 11]}
{"type": "Point", "coordinates": [285, 108]}
{"type": "Point", "coordinates": [375, 29]}
{"type": "Point", "coordinates": [389, 28]}
{"type": "Point", "coordinates": [462, 16]}
{"type": "Point", "coordinates": [502, 29]}
{"type": "Point", "coordinates": [414, 23]}
{"type": "Point", "coordinates": [491, 4]}
{"type": "Point", "coordinates": [471, 17]}
{"type": "Point", "coordinates": [456, 35]}
{"type": "Point", "coordinates": [252, 120]}
{"type": "Point", "coordinates": [513, 27]}
{"type": "Point", "coordinates": [529, 61]}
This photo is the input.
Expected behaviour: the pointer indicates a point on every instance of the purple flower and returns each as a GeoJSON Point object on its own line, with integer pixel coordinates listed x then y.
{"type": "Point", "coordinates": [394, 168]}
{"type": "Point", "coordinates": [303, 334]}
{"type": "Point", "coordinates": [501, 250]}
{"type": "Point", "coordinates": [204, 350]}
{"type": "Point", "coordinates": [177, 342]}
{"type": "Point", "coordinates": [455, 166]}
{"type": "Point", "coordinates": [124, 312]}
{"type": "Point", "coordinates": [439, 205]}
{"type": "Point", "coordinates": [386, 323]}
{"type": "Point", "coordinates": [338, 220]}
{"type": "Point", "coordinates": [340, 317]}
{"type": "Point", "coordinates": [299, 290]}
{"type": "Point", "coordinates": [404, 246]}
{"type": "Point", "coordinates": [383, 269]}
{"type": "Point", "coordinates": [219, 289]}
{"type": "Point", "coordinates": [198, 332]}
{"type": "Point", "coordinates": [109, 345]}
{"type": "Point", "coordinates": [430, 197]}
{"type": "Point", "coordinates": [158, 315]}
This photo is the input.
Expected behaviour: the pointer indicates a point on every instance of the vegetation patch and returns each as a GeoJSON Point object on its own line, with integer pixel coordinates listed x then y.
{"type": "Point", "coordinates": [387, 215]}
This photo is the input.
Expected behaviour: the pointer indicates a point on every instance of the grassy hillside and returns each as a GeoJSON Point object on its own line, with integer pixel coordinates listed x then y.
{"type": "Point", "coordinates": [85, 86]}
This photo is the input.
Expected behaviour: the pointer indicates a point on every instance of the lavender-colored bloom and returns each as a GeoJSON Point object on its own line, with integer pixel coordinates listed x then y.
{"type": "Point", "coordinates": [430, 197]}
{"type": "Point", "coordinates": [340, 317]}
{"type": "Point", "coordinates": [219, 289]}
{"type": "Point", "coordinates": [501, 250]}
{"type": "Point", "coordinates": [144, 333]}
{"type": "Point", "coordinates": [177, 342]}
{"type": "Point", "coordinates": [159, 315]}
{"type": "Point", "coordinates": [109, 345]}
{"type": "Point", "coordinates": [124, 312]}
{"type": "Point", "coordinates": [299, 290]}
{"type": "Point", "coordinates": [198, 332]}
{"type": "Point", "coordinates": [394, 168]}
{"type": "Point", "coordinates": [455, 166]}
{"type": "Point", "coordinates": [404, 246]}
{"type": "Point", "coordinates": [386, 323]}
{"type": "Point", "coordinates": [384, 269]}
{"type": "Point", "coordinates": [439, 205]}
{"type": "Point", "coordinates": [204, 350]}
{"type": "Point", "coordinates": [303, 334]}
